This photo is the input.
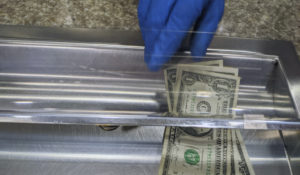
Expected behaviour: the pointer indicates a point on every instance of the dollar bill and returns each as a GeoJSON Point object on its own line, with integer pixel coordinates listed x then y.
{"type": "Point", "coordinates": [203, 93]}
{"type": "Point", "coordinates": [212, 152]}
{"type": "Point", "coordinates": [209, 68]}
{"type": "Point", "coordinates": [218, 63]}
{"type": "Point", "coordinates": [170, 78]}
{"type": "Point", "coordinates": [203, 90]}
{"type": "Point", "coordinates": [241, 159]}
{"type": "Point", "coordinates": [187, 154]}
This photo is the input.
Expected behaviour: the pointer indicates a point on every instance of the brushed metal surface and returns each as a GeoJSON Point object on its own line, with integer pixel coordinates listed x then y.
{"type": "Point", "coordinates": [288, 60]}
{"type": "Point", "coordinates": [72, 76]}
{"type": "Point", "coordinates": [86, 150]}
{"type": "Point", "coordinates": [90, 83]}
{"type": "Point", "coordinates": [292, 145]}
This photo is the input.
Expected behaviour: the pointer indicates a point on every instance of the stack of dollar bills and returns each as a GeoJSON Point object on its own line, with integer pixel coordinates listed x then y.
{"type": "Point", "coordinates": [204, 89]}
{"type": "Point", "coordinates": [206, 152]}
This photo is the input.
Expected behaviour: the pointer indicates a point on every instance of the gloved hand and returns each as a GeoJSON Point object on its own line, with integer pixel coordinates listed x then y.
{"type": "Point", "coordinates": [165, 23]}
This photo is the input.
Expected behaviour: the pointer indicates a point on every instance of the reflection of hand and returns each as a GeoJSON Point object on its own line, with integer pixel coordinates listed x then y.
{"type": "Point", "coordinates": [165, 23]}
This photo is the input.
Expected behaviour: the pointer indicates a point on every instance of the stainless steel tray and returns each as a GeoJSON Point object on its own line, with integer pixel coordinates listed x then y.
{"type": "Point", "coordinates": [78, 76]}
{"type": "Point", "coordinates": [62, 76]}
{"type": "Point", "coordinates": [87, 150]}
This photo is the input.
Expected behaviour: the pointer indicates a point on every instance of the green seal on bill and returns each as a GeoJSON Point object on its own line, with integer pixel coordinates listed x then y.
{"type": "Point", "coordinates": [191, 157]}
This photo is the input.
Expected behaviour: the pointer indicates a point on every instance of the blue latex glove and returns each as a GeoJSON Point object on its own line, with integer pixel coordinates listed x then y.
{"type": "Point", "coordinates": [165, 23]}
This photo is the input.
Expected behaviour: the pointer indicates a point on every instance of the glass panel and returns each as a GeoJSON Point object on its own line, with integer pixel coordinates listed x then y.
{"type": "Point", "coordinates": [95, 83]}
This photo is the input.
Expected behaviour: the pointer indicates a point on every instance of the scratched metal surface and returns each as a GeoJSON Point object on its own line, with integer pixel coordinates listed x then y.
{"type": "Point", "coordinates": [86, 83]}
{"type": "Point", "coordinates": [85, 150]}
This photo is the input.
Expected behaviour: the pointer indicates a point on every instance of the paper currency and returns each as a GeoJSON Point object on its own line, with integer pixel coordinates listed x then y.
{"type": "Point", "coordinates": [203, 90]}
{"type": "Point", "coordinates": [203, 93]}
{"type": "Point", "coordinates": [210, 102]}
{"type": "Point", "coordinates": [241, 159]}
{"type": "Point", "coordinates": [187, 154]}
{"type": "Point", "coordinates": [216, 152]}
{"type": "Point", "coordinates": [170, 78]}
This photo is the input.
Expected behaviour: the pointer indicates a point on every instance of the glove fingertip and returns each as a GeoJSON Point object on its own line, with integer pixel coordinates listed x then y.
{"type": "Point", "coordinates": [198, 53]}
{"type": "Point", "coordinates": [153, 64]}
{"type": "Point", "coordinates": [200, 44]}
{"type": "Point", "coordinates": [153, 67]}
{"type": "Point", "coordinates": [155, 61]}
